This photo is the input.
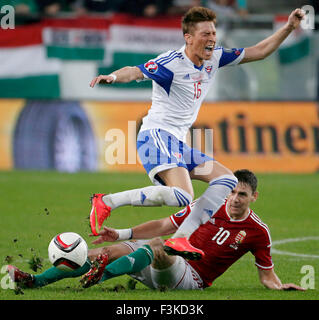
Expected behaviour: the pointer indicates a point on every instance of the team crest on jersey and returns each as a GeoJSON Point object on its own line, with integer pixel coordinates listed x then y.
{"type": "Point", "coordinates": [209, 69]}
{"type": "Point", "coordinates": [181, 213]}
{"type": "Point", "coordinates": [151, 67]}
{"type": "Point", "coordinates": [238, 239]}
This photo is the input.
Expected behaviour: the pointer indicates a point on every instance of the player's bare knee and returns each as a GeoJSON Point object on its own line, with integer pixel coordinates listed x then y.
{"type": "Point", "coordinates": [157, 246]}
{"type": "Point", "coordinates": [220, 169]}
{"type": "Point", "coordinates": [156, 243]}
{"type": "Point", "coordinates": [161, 259]}
{"type": "Point", "coordinates": [191, 194]}
{"type": "Point", "coordinates": [229, 172]}
{"type": "Point", "coordinates": [115, 251]}
{"type": "Point", "coordinates": [106, 250]}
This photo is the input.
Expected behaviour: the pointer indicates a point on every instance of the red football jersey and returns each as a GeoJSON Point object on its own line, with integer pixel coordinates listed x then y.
{"type": "Point", "coordinates": [225, 240]}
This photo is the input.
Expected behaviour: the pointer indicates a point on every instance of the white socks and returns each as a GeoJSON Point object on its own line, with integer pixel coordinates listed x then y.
{"type": "Point", "coordinates": [149, 197]}
{"type": "Point", "coordinates": [204, 208]}
{"type": "Point", "coordinates": [207, 205]}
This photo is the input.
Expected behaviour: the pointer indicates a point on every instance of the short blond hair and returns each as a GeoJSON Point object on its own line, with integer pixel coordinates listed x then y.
{"type": "Point", "coordinates": [196, 15]}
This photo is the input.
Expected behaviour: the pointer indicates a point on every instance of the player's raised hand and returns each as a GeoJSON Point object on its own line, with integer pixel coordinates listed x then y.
{"type": "Point", "coordinates": [295, 18]}
{"type": "Point", "coordinates": [106, 235]}
{"type": "Point", "coordinates": [291, 286]}
{"type": "Point", "coordinates": [106, 79]}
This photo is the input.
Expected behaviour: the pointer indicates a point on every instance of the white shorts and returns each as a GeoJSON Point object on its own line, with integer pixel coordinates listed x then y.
{"type": "Point", "coordinates": [181, 275]}
{"type": "Point", "coordinates": [160, 150]}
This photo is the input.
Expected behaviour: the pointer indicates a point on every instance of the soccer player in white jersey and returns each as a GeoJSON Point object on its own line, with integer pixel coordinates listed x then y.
{"type": "Point", "coordinates": [181, 80]}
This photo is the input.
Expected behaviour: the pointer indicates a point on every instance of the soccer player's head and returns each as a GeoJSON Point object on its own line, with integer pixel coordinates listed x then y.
{"type": "Point", "coordinates": [243, 194]}
{"type": "Point", "coordinates": [247, 177]}
{"type": "Point", "coordinates": [196, 15]}
{"type": "Point", "coordinates": [199, 31]}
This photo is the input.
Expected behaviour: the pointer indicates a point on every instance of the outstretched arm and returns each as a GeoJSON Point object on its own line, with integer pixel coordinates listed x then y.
{"type": "Point", "coordinates": [271, 281]}
{"type": "Point", "coordinates": [123, 75]}
{"type": "Point", "coordinates": [266, 47]}
{"type": "Point", "coordinates": [147, 230]}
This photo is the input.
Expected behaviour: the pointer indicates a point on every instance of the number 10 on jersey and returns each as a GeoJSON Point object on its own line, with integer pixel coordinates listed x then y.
{"type": "Point", "coordinates": [221, 236]}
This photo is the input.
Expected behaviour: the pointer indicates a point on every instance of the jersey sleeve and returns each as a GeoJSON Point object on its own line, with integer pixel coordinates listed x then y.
{"type": "Point", "coordinates": [230, 57]}
{"type": "Point", "coordinates": [178, 218]}
{"type": "Point", "coordinates": [156, 70]}
{"type": "Point", "coordinates": [262, 253]}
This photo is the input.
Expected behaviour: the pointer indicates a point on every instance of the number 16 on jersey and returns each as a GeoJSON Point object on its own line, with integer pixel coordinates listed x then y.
{"type": "Point", "coordinates": [197, 90]}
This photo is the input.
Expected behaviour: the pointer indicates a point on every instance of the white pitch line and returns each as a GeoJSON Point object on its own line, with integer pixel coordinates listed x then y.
{"type": "Point", "coordinates": [287, 253]}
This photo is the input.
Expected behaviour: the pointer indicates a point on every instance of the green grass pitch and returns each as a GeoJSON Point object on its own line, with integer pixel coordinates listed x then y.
{"type": "Point", "coordinates": [35, 206]}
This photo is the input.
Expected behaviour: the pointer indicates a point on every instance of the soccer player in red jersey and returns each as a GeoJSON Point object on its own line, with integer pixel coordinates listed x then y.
{"type": "Point", "coordinates": [232, 232]}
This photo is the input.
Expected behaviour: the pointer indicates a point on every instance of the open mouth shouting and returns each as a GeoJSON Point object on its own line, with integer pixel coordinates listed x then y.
{"type": "Point", "coordinates": [208, 50]}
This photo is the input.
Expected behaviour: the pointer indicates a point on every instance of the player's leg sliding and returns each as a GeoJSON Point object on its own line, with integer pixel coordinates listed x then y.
{"type": "Point", "coordinates": [95, 273]}
{"type": "Point", "coordinates": [205, 207]}
{"type": "Point", "coordinates": [151, 196]}
{"type": "Point", "coordinates": [134, 262]}
{"type": "Point", "coordinates": [53, 274]}
{"type": "Point", "coordinates": [22, 279]}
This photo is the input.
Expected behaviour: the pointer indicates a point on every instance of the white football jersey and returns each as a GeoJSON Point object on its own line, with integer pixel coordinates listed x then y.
{"type": "Point", "coordinates": [179, 87]}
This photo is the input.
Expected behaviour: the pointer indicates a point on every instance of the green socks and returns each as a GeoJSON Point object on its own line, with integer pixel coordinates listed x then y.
{"type": "Point", "coordinates": [54, 274]}
{"type": "Point", "coordinates": [134, 262]}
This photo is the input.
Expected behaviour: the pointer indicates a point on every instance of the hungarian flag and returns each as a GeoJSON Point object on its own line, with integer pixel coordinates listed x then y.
{"type": "Point", "coordinates": [32, 55]}
{"type": "Point", "coordinates": [82, 38]}
{"type": "Point", "coordinates": [26, 71]}
{"type": "Point", "coordinates": [37, 59]}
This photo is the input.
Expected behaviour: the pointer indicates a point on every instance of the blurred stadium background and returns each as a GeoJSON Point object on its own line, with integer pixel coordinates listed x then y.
{"type": "Point", "coordinates": [264, 115]}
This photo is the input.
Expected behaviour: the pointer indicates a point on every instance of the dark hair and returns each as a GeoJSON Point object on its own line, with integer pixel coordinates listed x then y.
{"type": "Point", "coordinates": [247, 177]}
{"type": "Point", "coordinates": [196, 15]}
